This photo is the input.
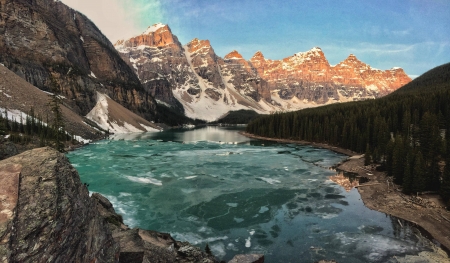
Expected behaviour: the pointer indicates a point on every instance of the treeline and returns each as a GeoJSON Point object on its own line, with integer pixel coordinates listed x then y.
{"type": "Point", "coordinates": [172, 117]}
{"type": "Point", "coordinates": [33, 128]}
{"type": "Point", "coordinates": [238, 117]}
{"type": "Point", "coordinates": [407, 131]}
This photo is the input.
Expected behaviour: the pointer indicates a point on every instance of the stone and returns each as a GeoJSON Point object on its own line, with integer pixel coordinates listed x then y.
{"type": "Point", "coordinates": [54, 218]}
{"type": "Point", "coordinates": [250, 258]}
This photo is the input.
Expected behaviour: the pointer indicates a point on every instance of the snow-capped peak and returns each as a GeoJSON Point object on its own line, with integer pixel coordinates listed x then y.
{"type": "Point", "coordinates": [233, 55]}
{"type": "Point", "coordinates": [153, 28]}
{"type": "Point", "coordinates": [258, 54]}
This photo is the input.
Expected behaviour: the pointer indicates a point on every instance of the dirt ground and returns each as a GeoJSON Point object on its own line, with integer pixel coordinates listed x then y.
{"type": "Point", "coordinates": [380, 194]}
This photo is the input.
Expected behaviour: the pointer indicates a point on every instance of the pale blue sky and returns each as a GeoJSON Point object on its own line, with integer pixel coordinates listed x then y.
{"type": "Point", "coordinates": [412, 34]}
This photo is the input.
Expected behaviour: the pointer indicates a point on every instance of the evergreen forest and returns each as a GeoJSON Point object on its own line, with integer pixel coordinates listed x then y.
{"type": "Point", "coordinates": [33, 129]}
{"type": "Point", "coordinates": [407, 132]}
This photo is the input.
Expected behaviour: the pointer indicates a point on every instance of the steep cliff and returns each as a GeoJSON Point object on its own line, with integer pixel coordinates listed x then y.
{"type": "Point", "coordinates": [58, 49]}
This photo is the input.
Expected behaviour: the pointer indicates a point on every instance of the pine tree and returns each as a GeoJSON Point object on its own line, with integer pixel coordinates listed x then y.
{"type": "Point", "coordinates": [408, 176]}
{"type": "Point", "coordinates": [445, 186]}
{"type": "Point", "coordinates": [398, 159]}
{"type": "Point", "coordinates": [58, 123]}
{"type": "Point", "coordinates": [419, 174]}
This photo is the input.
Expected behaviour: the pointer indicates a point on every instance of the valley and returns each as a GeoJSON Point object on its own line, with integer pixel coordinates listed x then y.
{"type": "Point", "coordinates": [222, 157]}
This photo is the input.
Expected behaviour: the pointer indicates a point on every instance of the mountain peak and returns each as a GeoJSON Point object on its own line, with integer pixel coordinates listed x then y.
{"type": "Point", "coordinates": [258, 55]}
{"type": "Point", "coordinates": [154, 28]}
{"type": "Point", "coordinates": [352, 57]}
{"type": "Point", "coordinates": [157, 35]}
{"type": "Point", "coordinates": [197, 44]}
{"type": "Point", "coordinates": [234, 55]}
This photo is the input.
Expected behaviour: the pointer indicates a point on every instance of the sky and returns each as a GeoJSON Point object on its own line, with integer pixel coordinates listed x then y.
{"type": "Point", "coordinates": [412, 34]}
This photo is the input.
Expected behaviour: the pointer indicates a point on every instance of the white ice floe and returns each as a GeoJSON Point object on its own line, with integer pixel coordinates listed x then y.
{"type": "Point", "coordinates": [269, 180]}
{"type": "Point", "coordinates": [248, 242]}
{"type": "Point", "coordinates": [144, 180]}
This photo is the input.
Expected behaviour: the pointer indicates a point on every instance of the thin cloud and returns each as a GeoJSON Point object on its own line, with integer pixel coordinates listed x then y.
{"type": "Point", "coordinates": [118, 19]}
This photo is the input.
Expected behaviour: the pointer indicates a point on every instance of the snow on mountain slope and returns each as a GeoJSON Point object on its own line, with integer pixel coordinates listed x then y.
{"type": "Point", "coordinates": [112, 116]}
{"type": "Point", "coordinates": [208, 86]}
{"type": "Point", "coordinates": [17, 97]}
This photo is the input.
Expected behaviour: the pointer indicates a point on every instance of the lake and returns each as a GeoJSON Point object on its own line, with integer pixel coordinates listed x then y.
{"type": "Point", "coordinates": [240, 195]}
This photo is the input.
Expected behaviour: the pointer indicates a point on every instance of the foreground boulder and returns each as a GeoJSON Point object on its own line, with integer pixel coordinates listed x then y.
{"type": "Point", "coordinates": [251, 258]}
{"type": "Point", "coordinates": [46, 215]}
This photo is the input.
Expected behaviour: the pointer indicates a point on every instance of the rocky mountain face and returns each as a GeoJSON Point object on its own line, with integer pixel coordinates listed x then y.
{"type": "Point", "coordinates": [192, 77]}
{"type": "Point", "coordinates": [18, 97]}
{"type": "Point", "coordinates": [58, 49]}
{"type": "Point", "coordinates": [46, 215]}
{"type": "Point", "coordinates": [208, 86]}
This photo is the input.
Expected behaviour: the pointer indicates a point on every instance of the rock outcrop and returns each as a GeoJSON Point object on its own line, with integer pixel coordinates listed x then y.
{"type": "Point", "coordinates": [49, 216]}
{"type": "Point", "coordinates": [158, 60]}
{"type": "Point", "coordinates": [250, 258]}
{"type": "Point", "coordinates": [208, 86]}
{"type": "Point", "coordinates": [58, 49]}
{"type": "Point", "coordinates": [46, 215]}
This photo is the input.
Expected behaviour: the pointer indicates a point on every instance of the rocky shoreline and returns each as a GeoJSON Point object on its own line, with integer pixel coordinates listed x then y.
{"type": "Point", "coordinates": [426, 211]}
{"type": "Point", "coordinates": [47, 215]}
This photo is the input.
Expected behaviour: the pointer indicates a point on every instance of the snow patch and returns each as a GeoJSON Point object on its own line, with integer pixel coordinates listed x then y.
{"type": "Point", "coordinates": [153, 28]}
{"type": "Point", "coordinates": [93, 75]}
{"type": "Point", "coordinates": [14, 115]}
{"type": "Point", "coordinates": [100, 115]}
{"type": "Point", "coordinates": [81, 139]}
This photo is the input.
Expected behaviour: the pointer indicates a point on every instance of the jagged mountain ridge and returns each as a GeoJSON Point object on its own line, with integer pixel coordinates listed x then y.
{"type": "Point", "coordinates": [58, 49]}
{"type": "Point", "coordinates": [208, 86]}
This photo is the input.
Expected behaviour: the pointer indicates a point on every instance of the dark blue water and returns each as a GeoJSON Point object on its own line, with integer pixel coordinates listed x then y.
{"type": "Point", "coordinates": [214, 186]}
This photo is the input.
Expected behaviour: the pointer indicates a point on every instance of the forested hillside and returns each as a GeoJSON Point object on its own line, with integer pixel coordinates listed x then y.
{"type": "Point", "coordinates": [405, 131]}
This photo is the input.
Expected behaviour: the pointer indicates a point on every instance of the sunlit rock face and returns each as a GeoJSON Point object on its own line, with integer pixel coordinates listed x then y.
{"type": "Point", "coordinates": [58, 49]}
{"type": "Point", "coordinates": [193, 79]}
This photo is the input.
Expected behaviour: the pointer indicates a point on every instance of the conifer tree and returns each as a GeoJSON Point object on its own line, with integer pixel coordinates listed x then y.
{"type": "Point", "coordinates": [408, 176]}
{"type": "Point", "coordinates": [419, 174]}
{"type": "Point", "coordinates": [58, 123]}
{"type": "Point", "coordinates": [445, 186]}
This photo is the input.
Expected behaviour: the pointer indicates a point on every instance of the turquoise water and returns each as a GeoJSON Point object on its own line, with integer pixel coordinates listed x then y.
{"type": "Point", "coordinates": [214, 186]}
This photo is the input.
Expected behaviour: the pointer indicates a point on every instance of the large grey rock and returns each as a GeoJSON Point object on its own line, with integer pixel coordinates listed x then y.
{"type": "Point", "coordinates": [53, 220]}
{"type": "Point", "coordinates": [250, 258]}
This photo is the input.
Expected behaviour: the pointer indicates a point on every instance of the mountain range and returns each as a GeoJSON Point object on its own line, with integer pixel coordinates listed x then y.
{"type": "Point", "coordinates": [208, 86]}
{"type": "Point", "coordinates": [59, 50]}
